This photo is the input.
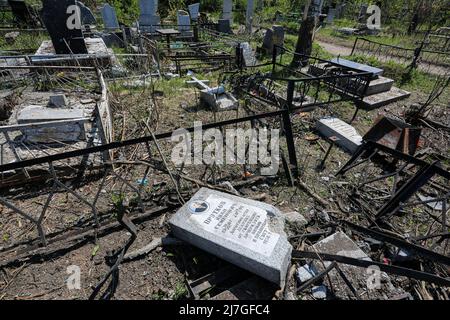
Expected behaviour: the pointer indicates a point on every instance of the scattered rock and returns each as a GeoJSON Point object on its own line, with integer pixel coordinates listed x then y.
{"type": "Point", "coordinates": [306, 272]}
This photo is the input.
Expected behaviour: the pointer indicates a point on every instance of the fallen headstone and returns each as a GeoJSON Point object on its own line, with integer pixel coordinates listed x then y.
{"type": "Point", "coordinates": [65, 133]}
{"type": "Point", "coordinates": [348, 31]}
{"type": "Point", "coordinates": [246, 233]}
{"type": "Point", "coordinates": [348, 137]}
{"type": "Point", "coordinates": [227, 11]}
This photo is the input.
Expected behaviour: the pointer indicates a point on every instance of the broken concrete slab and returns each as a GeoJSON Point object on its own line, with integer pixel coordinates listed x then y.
{"type": "Point", "coordinates": [98, 54]}
{"type": "Point", "coordinates": [246, 233]}
{"type": "Point", "coordinates": [348, 137]}
{"type": "Point", "coordinates": [306, 272]}
{"type": "Point", "coordinates": [218, 100]}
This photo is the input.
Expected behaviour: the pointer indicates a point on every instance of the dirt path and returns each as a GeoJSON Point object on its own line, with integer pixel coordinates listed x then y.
{"type": "Point", "coordinates": [342, 50]}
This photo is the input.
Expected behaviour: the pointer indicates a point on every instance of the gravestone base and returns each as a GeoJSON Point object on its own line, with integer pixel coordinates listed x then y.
{"type": "Point", "coordinates": [246, 233]}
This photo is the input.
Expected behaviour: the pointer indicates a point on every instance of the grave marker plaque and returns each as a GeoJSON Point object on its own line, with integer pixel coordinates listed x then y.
{"type": "Point", "coordinates": [66, 37]}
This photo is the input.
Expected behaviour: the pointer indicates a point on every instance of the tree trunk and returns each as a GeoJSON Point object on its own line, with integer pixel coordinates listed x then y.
{"type": "Point", "coordinates": [304, 42]}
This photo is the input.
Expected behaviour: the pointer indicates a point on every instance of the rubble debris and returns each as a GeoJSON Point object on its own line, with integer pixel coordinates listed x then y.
{"type": "Point", "coordinates": [319, 292]}
{"type": "Point", "coordinates": [216, 98]}
{"type": "Point", "coordinates": [306, 272]}
{"type": "Point", "coordinates": [244, 232]}
{"type": "Point", "coordinates": [340, 244]}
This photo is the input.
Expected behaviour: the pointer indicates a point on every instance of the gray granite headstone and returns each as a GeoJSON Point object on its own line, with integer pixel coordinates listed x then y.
{"type": "Point", "coordinates": [87, 17]}
{"type": "Point", "coordinates": [194, 10]}
{"type": "Point", "coordinates": [268, 40]}
{"type": "Point", "coordinates": [362, 13]}
{"type": "Point", "coordinates": [109, 17]}
{"type": "Point", "coordinates": [331, 15]}
{"type": "Point", "coordinates": [149, 19]}
{"type": "Point", "coordinates": [278, 35]}
{"type": "Point", "coordinates": [149, 7]}
{"type": "Point", "coordinates": [244, 232]}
